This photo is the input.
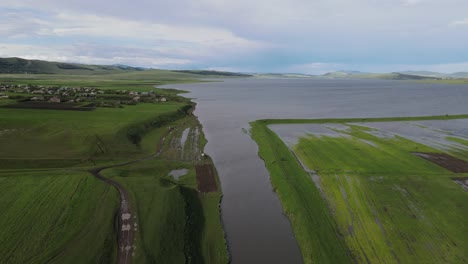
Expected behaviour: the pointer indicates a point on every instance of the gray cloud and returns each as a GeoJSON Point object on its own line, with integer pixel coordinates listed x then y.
{"type": "Point", "coordinates": [258, 34]}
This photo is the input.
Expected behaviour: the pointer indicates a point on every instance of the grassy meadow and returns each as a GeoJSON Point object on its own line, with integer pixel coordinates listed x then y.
{"type": "Point", "coordinates": [52, 216]}
{"type": "Point", "coordinates": [47, 195]}
{"type": "Point", "coordinates": [369, 199]}
{"type": "Point", "coordinates": [67, 138]}
{"type": "Point", "coordinates": [75, 135]}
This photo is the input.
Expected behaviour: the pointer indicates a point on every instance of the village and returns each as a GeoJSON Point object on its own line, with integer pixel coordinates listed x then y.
{"type": "Point", "coordinates": [77, 95]}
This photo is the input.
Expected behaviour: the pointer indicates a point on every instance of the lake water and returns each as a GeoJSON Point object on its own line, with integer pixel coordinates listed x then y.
{"type": "Point", "coordinates": [256, 229]}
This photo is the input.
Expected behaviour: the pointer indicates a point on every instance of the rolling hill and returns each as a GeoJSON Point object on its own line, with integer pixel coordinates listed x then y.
{"type": "Point", "coordinates": [20, 66]}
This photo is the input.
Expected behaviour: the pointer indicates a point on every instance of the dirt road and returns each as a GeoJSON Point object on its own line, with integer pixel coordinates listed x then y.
{"type": "Point", "coordinates": [127, 218]}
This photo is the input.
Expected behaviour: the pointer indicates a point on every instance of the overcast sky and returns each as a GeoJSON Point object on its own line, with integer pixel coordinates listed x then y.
{"type": "Point", "coordinates": [304, 36]}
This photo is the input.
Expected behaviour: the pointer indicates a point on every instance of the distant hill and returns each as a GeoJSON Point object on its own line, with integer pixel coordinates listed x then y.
{"type": "Point", "coordinates": [24, 66]}
{"type": "Point", "coordinates": [388, 76]}
{"type": "Point", "coordinates": [400, 76]}
{"type": "Point", "coordinates": [20, 66]}
{"type": "Point", "coordinates": [214, 73]}
{"type": "Point", "coordinates": [456, 75]}
{"type": "Point", "coordinates": [283, 75]}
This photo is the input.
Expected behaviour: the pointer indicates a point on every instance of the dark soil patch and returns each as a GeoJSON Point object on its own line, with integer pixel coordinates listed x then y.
{"type": "Point", "coordinates": [206, 178]}
{"type": "Point", "coordinates": [444, 160]}
{"type": "Point", "coordinates": [48, 106]}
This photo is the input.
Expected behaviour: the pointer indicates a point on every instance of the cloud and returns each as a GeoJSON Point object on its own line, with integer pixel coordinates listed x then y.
{"type": "Point", "coordinates": [110, 39]}
{"type": "Point", "coordinates": [258, 35]}
{"type": "Point", "coordinates": [94, 54]}
{"type": "Point", "coordinates": [463, 22]}
{"type": "Point", "coordinates": [411, 2]}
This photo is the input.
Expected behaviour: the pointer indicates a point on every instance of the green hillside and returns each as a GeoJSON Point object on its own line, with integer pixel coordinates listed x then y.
{"type": "Point", "coordinates": [18, 65]}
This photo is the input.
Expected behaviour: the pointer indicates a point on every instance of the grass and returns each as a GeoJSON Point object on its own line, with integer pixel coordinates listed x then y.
{"type": "Point", "coordinates": [375, 201]}
{"type": "Point", "coordinates": [355, 120]}
{"type": "Point", "coordinates": [313, 225]}
{"type": "Point", "coordinates": [28, 134]}
{"type": "Point", "coordinates": [85, 137]}
{"type": "Point", "coordinates": [458, 140]}
{"type": "Point", "coordinates": [74, 212]}
{"type": "Point", "coordinates": [51, 216]}
{"type": "Point", "coordinates": [177, 224]}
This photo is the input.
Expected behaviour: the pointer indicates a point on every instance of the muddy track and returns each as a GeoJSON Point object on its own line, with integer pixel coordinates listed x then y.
{"type": "Point", "coordinates": [126, 218]}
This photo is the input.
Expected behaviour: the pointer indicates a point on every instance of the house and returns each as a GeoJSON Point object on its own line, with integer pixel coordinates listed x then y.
{"type": "Point", "coordinates": [54, 99]}
{"type": "Point", "coordinates": [163, 99]}
{"type": "Point", "coordinates": [136, 98]}
{"type": "Point", "coordinates": [4, 97]}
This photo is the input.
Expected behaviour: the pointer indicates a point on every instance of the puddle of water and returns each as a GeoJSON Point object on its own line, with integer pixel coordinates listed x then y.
{"type": "Point", "coordinates": [431, 133]}
{"type": "Point", "coordinates": [339, 127]}
{"type": "Point", "coordinates": [184, 137]}
{"type": "Point", "coordinates": [176, 174]}
{"type": "Point", "coordinates": [290, 133]}
{"type": "Point", "coordinates": [369, 143]}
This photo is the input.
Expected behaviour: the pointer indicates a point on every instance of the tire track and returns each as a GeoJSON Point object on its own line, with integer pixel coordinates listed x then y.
{"type": "Point", "coordinates": [126, 218]}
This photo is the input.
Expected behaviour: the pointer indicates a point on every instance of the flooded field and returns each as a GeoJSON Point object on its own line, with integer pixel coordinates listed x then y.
{"type": "Point", "coordinates": [439, 134]}
{"type": "Point", "coordinates": [256, 229]}
{"type": "Point", "coordinates": [380, 178]}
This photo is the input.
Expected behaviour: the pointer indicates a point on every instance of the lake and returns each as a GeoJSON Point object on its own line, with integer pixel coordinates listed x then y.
{"type": "Point", "coordinates": [256, 229]}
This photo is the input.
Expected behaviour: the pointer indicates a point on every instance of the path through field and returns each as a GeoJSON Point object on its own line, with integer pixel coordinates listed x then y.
{"type": "Point", "coordinates": [127, 221]}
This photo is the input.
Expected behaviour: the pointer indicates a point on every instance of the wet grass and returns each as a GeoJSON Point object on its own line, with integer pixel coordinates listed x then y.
{"type": "Point", "coordinates": [459, 140]}
{"type": "Point", "coordinates": [390, 205]}
{"type": "Point", "coordinates": [378, 202]}
{"type": "Point", "coordinates": [356, 120]}
{"type": "Point", "coordinates": [50, 217]}
{"type": "Point", "coordinates": [177, 224]}
{"type": "Point", "coordinates": [313, 225]}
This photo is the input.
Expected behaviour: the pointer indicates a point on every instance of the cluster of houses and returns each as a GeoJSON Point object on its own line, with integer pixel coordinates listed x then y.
{"type": "Point", "coordinates": [80, 94]}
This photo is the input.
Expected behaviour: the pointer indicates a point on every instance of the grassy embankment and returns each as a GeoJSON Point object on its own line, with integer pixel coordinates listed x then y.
{"type": "Point", "coordinates": [377, 202]}
{"type": "Point", "coordinates": [177, 224]}
{"type": "Point", "coordinates": [73, 211]}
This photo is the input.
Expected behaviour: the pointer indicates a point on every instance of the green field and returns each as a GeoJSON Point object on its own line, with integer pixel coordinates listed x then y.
{"type": "Point", "coordinates": [52, 134]}
{"type": "Point", "coordinates": [55, 138]}
{"type": "Point", "coordinates": [52, 217]}
{"type": "Point", "coordinates": [47, 195]}
{"type": "Point", "coordinates": [371, 200]}
{"type": "Point", "coordinates": [177, 224]}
